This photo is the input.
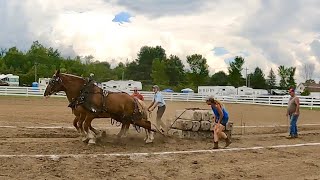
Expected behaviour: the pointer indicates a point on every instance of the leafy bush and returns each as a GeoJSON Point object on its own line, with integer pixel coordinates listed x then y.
{"type": "Point", "coordinates": [306, 92]}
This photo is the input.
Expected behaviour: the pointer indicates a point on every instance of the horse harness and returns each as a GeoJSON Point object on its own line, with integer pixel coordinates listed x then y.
{"type": "Point", "coordinates": [86, 94]}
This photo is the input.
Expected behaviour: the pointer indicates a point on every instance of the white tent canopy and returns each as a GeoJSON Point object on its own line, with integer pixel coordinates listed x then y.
{"type": "Point", "coordinates": [187, 90]}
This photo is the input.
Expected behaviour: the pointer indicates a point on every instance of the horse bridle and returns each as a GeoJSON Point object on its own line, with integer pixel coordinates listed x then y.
{"type": "Point", "coordinates": [54, 81]}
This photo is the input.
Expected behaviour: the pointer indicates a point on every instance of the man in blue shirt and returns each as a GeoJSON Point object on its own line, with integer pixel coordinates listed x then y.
{"type": "Point", "coordinates": [159, 102]}
{"type": "Point", "coordinates": [221, 117]}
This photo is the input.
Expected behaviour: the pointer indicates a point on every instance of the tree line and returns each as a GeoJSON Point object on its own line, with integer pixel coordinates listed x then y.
{"type": "Point", "coordinates": [152, 66]}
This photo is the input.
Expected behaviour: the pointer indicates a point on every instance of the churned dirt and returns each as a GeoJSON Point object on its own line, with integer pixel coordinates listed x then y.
{"type": "Point", "coordinates": [21, 140]}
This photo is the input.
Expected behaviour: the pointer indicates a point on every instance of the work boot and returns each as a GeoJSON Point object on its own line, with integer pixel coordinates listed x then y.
{"type": "Point", "coordinates": [290, 137]}
{"type": "Point", "coordinates": [215, 145]}
{"type": "Point", "coordinates": [228, 142]}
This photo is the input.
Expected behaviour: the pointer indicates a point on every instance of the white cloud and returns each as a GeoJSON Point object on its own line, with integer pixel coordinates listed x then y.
{"type": "Point", "coordinates": [272, 33]}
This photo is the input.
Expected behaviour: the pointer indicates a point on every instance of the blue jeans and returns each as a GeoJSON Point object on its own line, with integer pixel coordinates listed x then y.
{"type": "Point", "coordinates": [293, 125]}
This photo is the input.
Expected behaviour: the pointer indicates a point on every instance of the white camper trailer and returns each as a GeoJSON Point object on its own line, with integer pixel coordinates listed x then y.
{"type": "Point", "coordinates": [12, 80]}
{"type": "Point", "coordinates": [43, 82]}
{"type": "Point", "coordinates": [217, 90]}
{"type": "Point", "coordinates": [260, 92]}
{"type": "Point", "coordinates": [244, 90]}
{"type": "Point", "coordinates": [230, 91]}
{"type": "Point", "coordinates": [121, 85]}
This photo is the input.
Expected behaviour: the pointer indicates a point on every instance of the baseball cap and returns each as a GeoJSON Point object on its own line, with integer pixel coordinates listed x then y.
{"type": "Point", "coordinates": [155, 86]}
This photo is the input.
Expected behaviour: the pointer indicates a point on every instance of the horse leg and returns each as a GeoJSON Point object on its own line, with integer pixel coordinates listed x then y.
{"type": "Point", "coordinates": [80, 124]}
{"type": "Point", "coordinates": [150, 137]}
{"type": "Point", "coordinates": [126, 128]}
{"type": "Point", "coordinates": [87, 122]}
{"type": "Point", "coordinates": [149, 130]}
{"type": "Point", "coordinates": [147, 135]}
{"type": "Point", "coordinates": [75, 123]}
{"type": "Point", "coordinates": [96, 132]}
{"type": "Point", "coordinates": [80, 129]}
{"type": "Point", "coordinates": [123, 129]}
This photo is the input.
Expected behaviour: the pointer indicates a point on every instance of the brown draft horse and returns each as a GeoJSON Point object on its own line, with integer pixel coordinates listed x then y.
{"type": "Point", "coordinates": [119, 106]}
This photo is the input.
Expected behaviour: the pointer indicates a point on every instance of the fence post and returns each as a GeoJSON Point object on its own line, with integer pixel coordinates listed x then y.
{"type": "Point", "coordinates": [269, 100]}
{"type": "Point", "coordinates": [312, 103]}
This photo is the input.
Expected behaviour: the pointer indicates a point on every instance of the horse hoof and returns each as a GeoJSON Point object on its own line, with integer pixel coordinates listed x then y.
{"type": "Point", "coordinates": [85, 139]}
{"type": "Point", "coordinates": [92, 142]}
{"type": "Point", "coordinates": [149, 141]}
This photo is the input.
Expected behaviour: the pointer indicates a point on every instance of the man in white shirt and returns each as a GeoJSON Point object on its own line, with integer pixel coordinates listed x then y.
{"type": "Point", "coordinates": [159, 102]}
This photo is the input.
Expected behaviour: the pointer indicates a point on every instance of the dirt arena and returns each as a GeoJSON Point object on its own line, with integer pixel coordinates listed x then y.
{"type": "Point", "coordinates": [31, 149]}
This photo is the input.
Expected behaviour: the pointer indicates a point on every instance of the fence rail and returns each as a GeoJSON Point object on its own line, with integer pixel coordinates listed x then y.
{"type": "Point", "coordinates": [272, 100]}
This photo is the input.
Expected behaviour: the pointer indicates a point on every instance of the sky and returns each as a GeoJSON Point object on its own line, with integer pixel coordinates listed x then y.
{"type": "Point", "coordinates": [266, 33]}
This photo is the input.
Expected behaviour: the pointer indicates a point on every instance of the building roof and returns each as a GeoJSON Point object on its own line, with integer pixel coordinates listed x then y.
{"type": "Point", "coordinates": [312, 87]}
{"type": "Point", "coordinates": [2, 76]}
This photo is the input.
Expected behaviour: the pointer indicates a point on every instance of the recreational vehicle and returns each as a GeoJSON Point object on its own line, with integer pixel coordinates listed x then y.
{"type": "Point", "coordinates": [12, 80]}
{"type": "Point", "coordinates": [230, 91]}
{"type": "Point", "coordinates": [43, 82]}
{"type": "Point", "coordinates": [217, 90]}
{"type": "Point", "coordinates": [121, 85]}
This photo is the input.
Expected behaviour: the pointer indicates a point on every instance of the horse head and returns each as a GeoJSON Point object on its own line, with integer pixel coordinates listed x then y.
{"type": "Point", "coordinates": [70, 84]}
{"type": "Point", "coordinates": [55, 85]}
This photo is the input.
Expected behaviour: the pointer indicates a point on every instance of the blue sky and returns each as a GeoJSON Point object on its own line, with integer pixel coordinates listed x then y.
{"type": "Point", "coordinates": [122, 17]}
{"type": "Point", "coordinates": [266, 33]}
{"type": "Point", "coordinates": [219, 51]}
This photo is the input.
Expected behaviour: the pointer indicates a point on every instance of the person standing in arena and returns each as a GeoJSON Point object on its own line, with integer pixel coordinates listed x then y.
{"type": "Point", "coordinates": [221, 117]}
{"type": "Point", "coordinates": [293, 113]}
{"type": "Point", "coordinates": [159, 102]}
{"type": "Point", "coordinates": [137, 94]}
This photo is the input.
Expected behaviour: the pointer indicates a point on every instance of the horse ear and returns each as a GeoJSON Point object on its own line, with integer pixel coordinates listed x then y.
{"type": "Point", "coordinates": [58, 72]}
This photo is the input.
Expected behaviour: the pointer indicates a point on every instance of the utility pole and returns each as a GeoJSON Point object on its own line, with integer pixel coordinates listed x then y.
{"type": "Point", "coordinates": [246, 76]}
{"type": "Point", "coordinates": [35, 72]}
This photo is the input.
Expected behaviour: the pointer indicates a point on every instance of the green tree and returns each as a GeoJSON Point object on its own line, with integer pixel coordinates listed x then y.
{"type": "Point", "coordinates": [119, 71]}
{"type": "Point", "coordinates": [3, 52]}
{"type": "Point", "coordinates": [146, 56]}
{"type": "Point", "coordinates": [283, 73]}
{"type": "Point", "coordinates": [199, 69]}
{"type": "Point", "coordinates": [235, 68]}
{"type": "Point", "coordinates": [88, 59]}
{"type": "Point", "coordinates": [271, 81]}
{"type": "Point", "coordinates": [287, 77]}
{"type": "Point", "coordinates": [159, 75]}
{"type": "Point", "coordinates": [175, 70]}
{"type": "Point", "coordinates": [291, 72]}
{"type": "Point", "coordinates": [101, 71]}
{"type": "Point", "coordinates": [132, 72]}
{"type": "Point", "coordinates": [15, 59]}
{"type": "Point", "coordinates": [219, 79]}
{"type": "Point", "coordinates": [257, 79]}
{"type": "Point", "coordinates": [305, 92]}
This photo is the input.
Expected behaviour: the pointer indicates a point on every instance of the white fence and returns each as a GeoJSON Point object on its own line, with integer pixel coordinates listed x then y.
{"type": "Point", "coordinates": [305, 101]}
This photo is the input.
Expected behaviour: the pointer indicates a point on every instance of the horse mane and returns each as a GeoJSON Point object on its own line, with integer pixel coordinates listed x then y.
{"type": "Point", "coordinates": [72, 75]}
